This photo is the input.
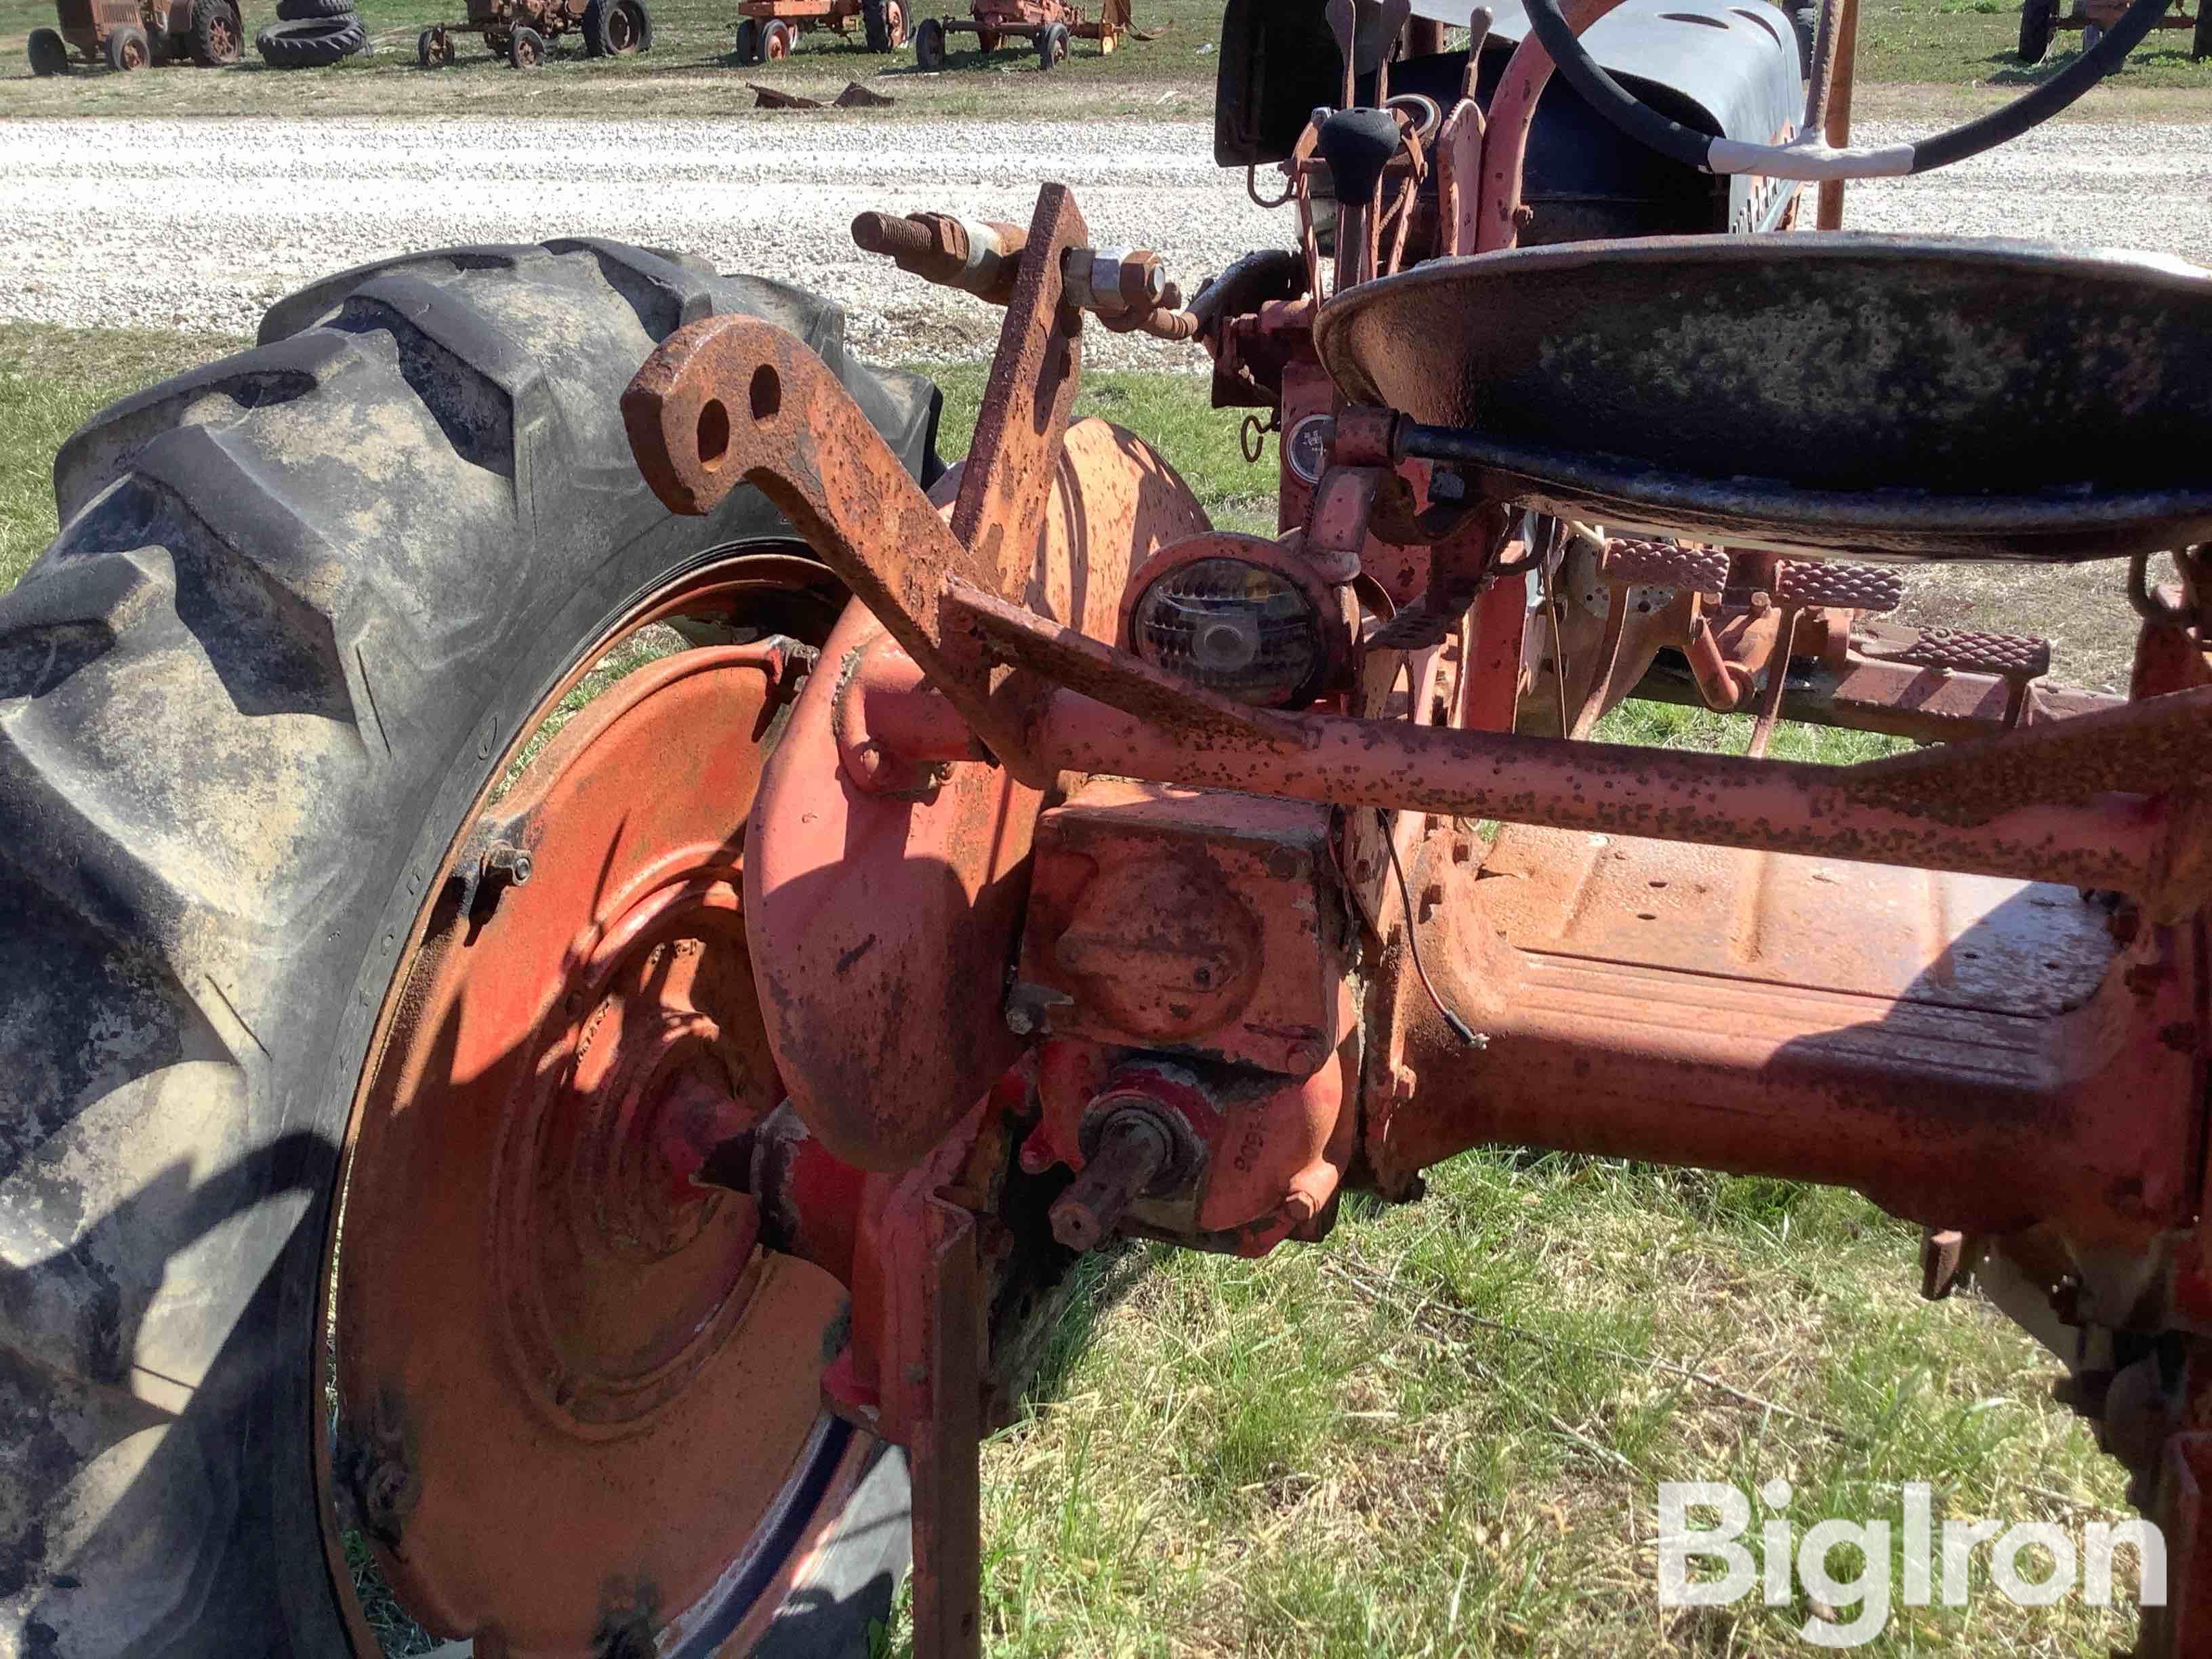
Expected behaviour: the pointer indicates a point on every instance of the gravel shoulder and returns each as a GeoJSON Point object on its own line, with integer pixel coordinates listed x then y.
{"type": "Point", "coordinates": [199, 224]}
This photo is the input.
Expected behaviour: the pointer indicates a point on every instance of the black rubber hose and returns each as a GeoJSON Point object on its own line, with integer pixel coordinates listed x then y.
{"type": "Point", "coordinates": [2004, 126]}
{"type": "Point", "coordinates": [1630, 113]}
{"type": "Point", "coordinates": [1693, 148]}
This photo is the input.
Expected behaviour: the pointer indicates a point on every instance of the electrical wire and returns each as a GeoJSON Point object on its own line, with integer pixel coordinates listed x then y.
{"type": "Point", "coordinates": [1459, 1029]}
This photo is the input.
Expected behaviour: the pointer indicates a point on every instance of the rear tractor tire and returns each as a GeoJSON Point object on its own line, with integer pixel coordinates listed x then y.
{"type": "Point", "coordinates": [310, 43]}
{"type": "Point", "coordinates": [218, 33]}
{"type": "Point", "coordinates": [616, 28]}
{"type": "Point", "coordinates": [48, 52]}
{"type": "Point", "coordinates": [929, 44]}
{"type": "Point", "coordinates": [125, 49]}
{"type": "Point", "coordinates": [883, 23]}
{"type": "Point", "coordinates": [269, 802]}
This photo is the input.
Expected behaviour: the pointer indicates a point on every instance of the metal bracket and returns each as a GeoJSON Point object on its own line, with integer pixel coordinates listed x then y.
{"type": "Point", "coordinates": [733, 399]}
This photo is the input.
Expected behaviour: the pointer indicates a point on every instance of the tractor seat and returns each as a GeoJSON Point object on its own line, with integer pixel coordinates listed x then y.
{"type": "Point", "coordinates": [1909, 398]}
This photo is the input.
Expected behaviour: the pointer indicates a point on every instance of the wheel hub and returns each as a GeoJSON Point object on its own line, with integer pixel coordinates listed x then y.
{"type": "Point", "coordinates": [571, 1382]}
{"type": "Point", "coordinates": [623, 1278]}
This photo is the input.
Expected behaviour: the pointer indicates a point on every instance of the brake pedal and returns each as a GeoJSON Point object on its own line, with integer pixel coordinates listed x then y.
{"type": "Point", "coordinates": [1824, 585]}
{"type": "Point", "coordinates": [1637, 562]}
{"type": "Point", "coordinates": [2018, 660]}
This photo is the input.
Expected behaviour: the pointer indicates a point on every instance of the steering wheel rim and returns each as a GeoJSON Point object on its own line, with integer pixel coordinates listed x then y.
{"type": "Point", "coordinates": [1810, 159]}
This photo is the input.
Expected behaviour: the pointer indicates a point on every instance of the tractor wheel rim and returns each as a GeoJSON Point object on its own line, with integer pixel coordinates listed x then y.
{"type": "Point", "coordinates": [573, 1391]}
{"type": "Point", "coordinates": [778, 47]}
{"type": "Point", "coordinates": [895, 18]}
{"type": "Point", "coordinates": [621, 30]}
{"type": "Point", "coordinates": [222, 44]}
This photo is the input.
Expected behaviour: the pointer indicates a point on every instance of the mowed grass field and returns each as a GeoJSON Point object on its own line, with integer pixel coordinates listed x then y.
{"type": "Point", "coordinates": [1442, 1431]}
{"type": "Point", "coordinates": [1964, 48]}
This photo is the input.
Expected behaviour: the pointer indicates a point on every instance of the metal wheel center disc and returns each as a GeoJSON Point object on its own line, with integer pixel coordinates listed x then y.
{"type": "Point", "coordinates": [620, 1278]}
{"type": "Point", "coordinates": [571, 1384]}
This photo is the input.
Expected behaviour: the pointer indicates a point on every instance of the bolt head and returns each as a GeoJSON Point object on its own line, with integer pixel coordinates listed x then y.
{"type": "Point", "coordinates": [510, 863]}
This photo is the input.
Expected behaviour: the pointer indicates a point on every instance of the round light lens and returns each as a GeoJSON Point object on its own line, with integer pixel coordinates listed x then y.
{"type": "Point", "coordinates": [1241, 629]}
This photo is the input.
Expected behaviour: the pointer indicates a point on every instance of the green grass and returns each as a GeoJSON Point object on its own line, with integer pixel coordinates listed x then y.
{"type": "Point", "coordinates": [50, 379]}
{"type": "Point", "coordinates": [1975, 42]}
{"type": "Point", "coordinates": [1439, 1432]}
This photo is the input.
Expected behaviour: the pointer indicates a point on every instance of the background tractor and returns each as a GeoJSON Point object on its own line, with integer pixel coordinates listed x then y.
{"type": "Point", "coordinates": [2040, 19]}
{"type": "Point", "coordinates": [767, 29]}
{"type": "Point", "coordinates": [590, 932]}
{"type": "Point", "coordinates": [1044, 25]}
{"type": "Point", "coordinates": [131, 34]}
{"type": "Point", "coordinates": [524, 31]}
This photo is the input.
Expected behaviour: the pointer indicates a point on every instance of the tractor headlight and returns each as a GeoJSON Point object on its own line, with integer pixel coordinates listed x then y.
{"type": "Point", "coordinates": [1238, 629]}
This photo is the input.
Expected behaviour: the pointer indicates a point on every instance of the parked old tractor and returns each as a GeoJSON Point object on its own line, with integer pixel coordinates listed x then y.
{"type": "Point", "coordinates": [590, 932]}
{"type": "Point", "coordinates": [767, 29]}
{"type": "Point", "coordinates": [132, 34]}
{"type": "Point", "coordinates": [1045, 26]}
{"type": "Point", "coordinates": [2041, 19]}
{"type": "Point", "coordinates": [524, 31]}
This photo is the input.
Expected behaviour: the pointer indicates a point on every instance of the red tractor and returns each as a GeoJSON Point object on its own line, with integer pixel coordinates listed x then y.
{"type": "Point", "coordinates": [524, 31]}
{"type": "Point", "coordinates": [590, 931]}
{"type": "Point", "coordinates": [1044, 25]}
{"type": "Point", "coordinates": [767, 29]}
{"type": "Point", "coordinates": [131, 34]}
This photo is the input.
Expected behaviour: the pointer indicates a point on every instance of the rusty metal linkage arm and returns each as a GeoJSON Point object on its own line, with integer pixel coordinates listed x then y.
{"type": "Point", "coordinates": [732, 400]}
{"type": "Point", "coordinates": [2097, 817]}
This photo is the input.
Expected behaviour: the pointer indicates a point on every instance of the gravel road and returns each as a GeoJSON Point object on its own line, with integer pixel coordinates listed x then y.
{"type": "Point", "coordinates": [200, 223]}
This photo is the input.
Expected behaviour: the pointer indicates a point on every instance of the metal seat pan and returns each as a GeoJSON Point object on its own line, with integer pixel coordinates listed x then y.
{"type": "Point", "coordinates": [1918, 398]}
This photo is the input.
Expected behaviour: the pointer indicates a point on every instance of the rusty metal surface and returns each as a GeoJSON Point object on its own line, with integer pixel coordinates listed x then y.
{"type": "Point", "coordinates": [1836, 109]}
{"type": "Point", "coordinates": [1647, 560]}
{"type": "Point", "coordinates": [1825, 582]}
{"type": "Point", "coordinates": [1258, 1158]}
{"type": "Point", "coordinates": [1954, 1053]}
{"type": "Point", "coordinates": [2182, 1627]}
{"type": "Point", "coordinates": [1459, 179]}
{"type": "Point", "coordinates": [1969, 651]}
{"type": "Point", "coordinates": [1010, 463]}
{"type": "Point", "coordinates": [894, 914]}
{"type": "Point", "coordinates": [1665, 381]}
{"type": "Point", "coordinates": [1981, 808]}
{"type": "Point", "coordinates": [1512, 113]}
{"type": "Point", "coordinates": [732, 400]}
{"type": "Point", "coordinates": [982, 259]}
{"type": "Point", "coordinates": [943, 1452]}
{"type": "Point", "coordinates": [1209, 925]}
{"type": "Point", "coordinates": [1871, 694]}
{"type": "Point", "coordinates": [543, 1326]}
